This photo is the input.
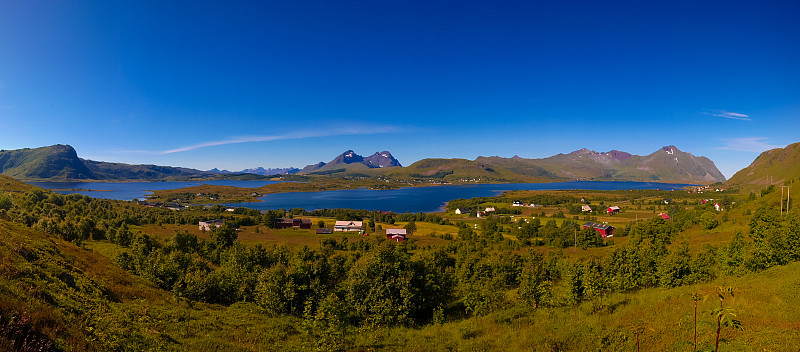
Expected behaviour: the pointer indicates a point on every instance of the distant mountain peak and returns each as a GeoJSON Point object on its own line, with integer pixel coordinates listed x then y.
{"type": "Point", "coordinates": [349, 157]}
{"type": "Point", "coordinates": [381, 159]}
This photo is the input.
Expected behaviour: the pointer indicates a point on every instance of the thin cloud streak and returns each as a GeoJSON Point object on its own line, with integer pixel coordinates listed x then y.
{"type": "Point", "coordinates": [748, 144]}
{"type": "Point", "coordinates": [729, 115]}
{"type": "Point", "coordinates": [249, 139]}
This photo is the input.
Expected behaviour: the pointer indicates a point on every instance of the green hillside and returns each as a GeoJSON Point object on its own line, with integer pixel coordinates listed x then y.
{"type": "Point", "coordinates": [57, 162]}
{"type": "Point", "coordinates": [773, 167]}
{"type": "Point", "coordinates": [120, 171]}
{"type": "Point", "coordinates": [9, 184]}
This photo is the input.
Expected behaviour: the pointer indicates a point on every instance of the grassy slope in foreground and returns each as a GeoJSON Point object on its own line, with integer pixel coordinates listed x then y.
{"type": "Point", "coordinates": [53, 293]}
{"type": "Point", "coordinates": [58, 296]}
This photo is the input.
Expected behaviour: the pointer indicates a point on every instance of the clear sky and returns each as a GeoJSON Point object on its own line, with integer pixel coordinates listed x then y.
{"type": "Point", "coordinates": [241, 84]}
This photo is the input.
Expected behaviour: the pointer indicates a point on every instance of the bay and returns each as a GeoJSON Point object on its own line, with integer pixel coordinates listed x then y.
{"type": "Point", "coordinates": [135, 190]}
{"type": "Point", "coordinates": [426, 199]}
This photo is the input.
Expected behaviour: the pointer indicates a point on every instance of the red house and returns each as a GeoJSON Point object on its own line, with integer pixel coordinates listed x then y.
{"type": "Point", "coordinates": [396, 235]}
{"type": "Point", "coordinates": [605, 230]}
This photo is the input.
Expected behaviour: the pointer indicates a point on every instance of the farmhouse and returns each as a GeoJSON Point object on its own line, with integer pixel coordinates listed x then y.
{"type": "Point", "coordinates": [613, 210]}
{"type": "Point", "coordinates": [462, 211]}
{"type": "Point", "coordinates": [348, 226]}
{"type": "Point", "coordinates": [489, 209]}
{"type": "Point", "coordinates": [518, 204]}
{"type": "Point", "coordinates": [206, 225]}
{"type": "Point", "coordinates": [396, 235]}
{"type": "Point", "coordinates": [586, 208]}
{"type": "Point", "coordinates": [605, 230]}
{"type": "Point", "coordinates": [289, 223]}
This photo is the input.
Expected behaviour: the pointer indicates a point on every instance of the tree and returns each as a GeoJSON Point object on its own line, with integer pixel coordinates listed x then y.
{"type": "Point", "coordinates": [536, 280]}
{"type": "Point", "coordinates": [321, 224]}
{"type": "Point", "coordinates": [224, 236]}
{"type": "Point", "coordinates": [411, 227]}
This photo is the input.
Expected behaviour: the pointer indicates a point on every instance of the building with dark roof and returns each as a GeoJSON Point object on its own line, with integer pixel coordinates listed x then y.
{"type": "Point", "coordinates": [605, 230]}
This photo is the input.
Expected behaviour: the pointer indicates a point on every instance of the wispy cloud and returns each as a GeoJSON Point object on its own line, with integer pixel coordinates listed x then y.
{"type": "Point", "coordinates": [748, 144]}
{"type": "Point", "coordinates": [729, 115]}
{"type": "Point", "coordinates": [352, 130]}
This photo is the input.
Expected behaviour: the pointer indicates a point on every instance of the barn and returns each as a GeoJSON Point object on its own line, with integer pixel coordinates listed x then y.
{"type": "Point", "coordinates": [605, 230]}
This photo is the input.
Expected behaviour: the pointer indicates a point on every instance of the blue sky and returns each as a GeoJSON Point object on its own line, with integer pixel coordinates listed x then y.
{"type": "Point", "coordinates": [207, 84]}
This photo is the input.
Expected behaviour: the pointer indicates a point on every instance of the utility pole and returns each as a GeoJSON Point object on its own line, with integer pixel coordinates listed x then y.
{"type": "Point", "coordinates": [788, 188]}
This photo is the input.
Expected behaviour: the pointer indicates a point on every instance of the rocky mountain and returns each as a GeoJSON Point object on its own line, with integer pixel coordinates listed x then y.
{"type": "Point", "coordinates": [666, 164]}
{"type": "Point", "coordinates": [772, 167]}
{"type": "Point", "coordinates": [382, 159]}
{"type": "Point", "coordinates": [350, 161]}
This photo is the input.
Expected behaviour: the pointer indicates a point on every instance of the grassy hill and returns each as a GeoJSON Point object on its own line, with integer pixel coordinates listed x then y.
{"type": "Point", "coordinates": [772, 167]}
{"type": "Point", "coordinates": [56, 162]}
{"type": "Point", "coordinates": [9, 184]}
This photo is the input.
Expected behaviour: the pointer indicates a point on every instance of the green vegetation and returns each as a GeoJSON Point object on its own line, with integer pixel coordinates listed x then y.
{"type": "Point", "coordinates": [88, 274]}
{"type": "Point", "coordinates": [773, 167]}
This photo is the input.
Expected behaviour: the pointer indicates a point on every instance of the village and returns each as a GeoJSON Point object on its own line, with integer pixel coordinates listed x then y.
{"type": "Point", "coordinates": [605, 219]}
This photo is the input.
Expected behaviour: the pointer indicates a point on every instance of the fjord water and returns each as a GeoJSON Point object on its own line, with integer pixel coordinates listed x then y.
{"type": "Point", "coordinates": [410, 199]}
{"type": "Point", "coordinates": [134, 190]}
{"type": "Point", "coordinates": [426, 199]}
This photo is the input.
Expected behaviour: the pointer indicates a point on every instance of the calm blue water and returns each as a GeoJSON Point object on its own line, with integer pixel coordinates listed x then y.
{"type": "Point", "coordinates": [136, 190]}
{"type": "Point", "coordinates": [425, 199]}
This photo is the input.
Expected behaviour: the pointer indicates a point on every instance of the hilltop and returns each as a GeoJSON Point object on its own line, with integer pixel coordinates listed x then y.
{"type": "Point", "coordinates": [772, 167]}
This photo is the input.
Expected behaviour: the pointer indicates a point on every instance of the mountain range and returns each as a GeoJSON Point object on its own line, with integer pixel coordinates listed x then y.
{"type": "Point", "coordinates": [61, 163]}
{"type": "Point", "coordinates": [668, 164]}
{"type": "Point", "coordinates": [259, 171]}
{"type": "Point", "coordinates": [350, 161]}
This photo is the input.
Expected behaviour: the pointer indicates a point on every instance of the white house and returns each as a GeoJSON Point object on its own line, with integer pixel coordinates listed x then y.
{"type": "Point", "coordinates": [348, 226]}
{"type": "Point", "coordinates": [489, 209]}
{"type": "Point", "coordinates": [586, 208]}
{"type": "Point", "coordinates": [462, 211]}
{"type": "Point", "coordinates": [206, 225]}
